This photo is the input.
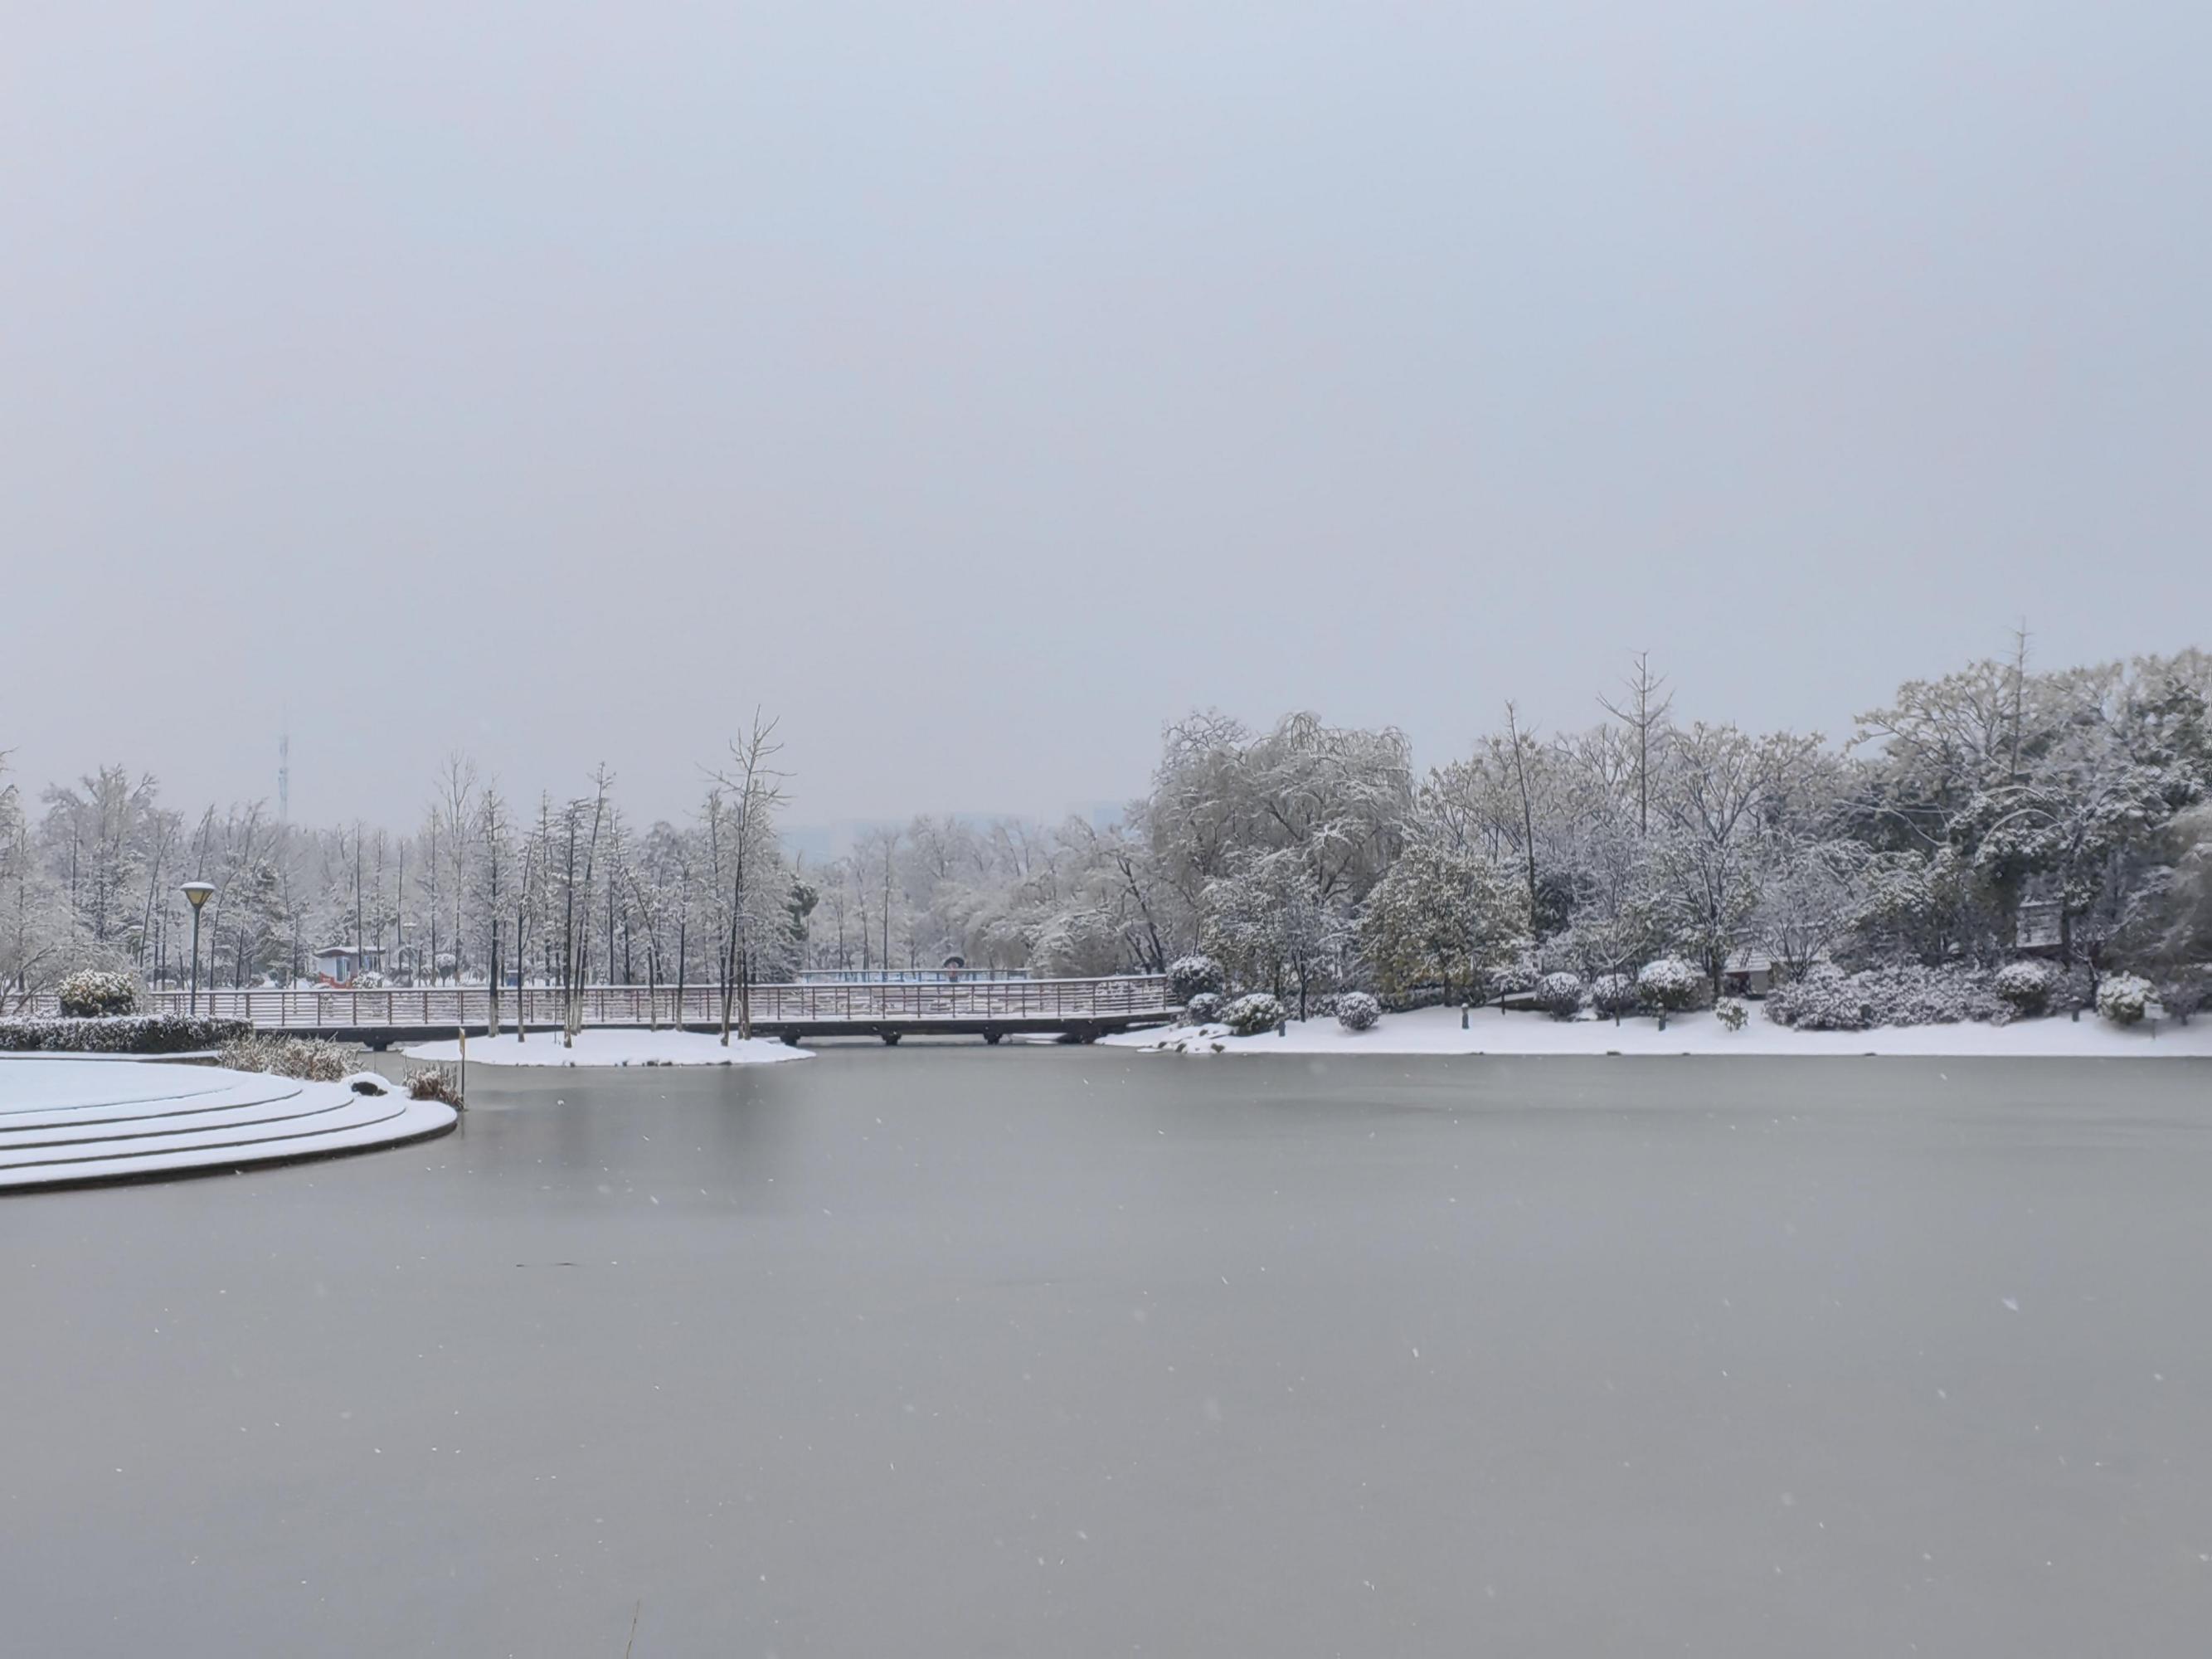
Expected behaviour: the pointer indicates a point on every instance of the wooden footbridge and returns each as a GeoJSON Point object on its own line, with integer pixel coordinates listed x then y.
{"type": "Point", "coordinates": [1080, 1009]}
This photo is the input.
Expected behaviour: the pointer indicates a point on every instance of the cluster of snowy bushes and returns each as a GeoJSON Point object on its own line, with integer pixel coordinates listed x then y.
{"type": "Point", "coordinates": [1908, 993]}
{"type": "Point", "coordinates": [129, 1033]}
{"type": "Point", "coordinates": [98, 993]}
{"type": "Point", "coordinates": [1669, 985]}
{"type": "Point", "coordinates": [311, 1060]}
{"type": "Point", "coordinates": [1197, 982]}
{"type": "Point", "coordinates": [1828, 1000]}
{"type": "Point", "coordinates": [1194, 976]}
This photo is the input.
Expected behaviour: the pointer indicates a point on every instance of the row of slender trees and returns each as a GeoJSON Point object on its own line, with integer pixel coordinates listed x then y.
{"type": "Point", "coordinates": [1997, 807]}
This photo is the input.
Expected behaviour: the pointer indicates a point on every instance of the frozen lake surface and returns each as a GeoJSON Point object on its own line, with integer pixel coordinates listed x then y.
{"type": "Point", "coordinates": [1029, 1351]}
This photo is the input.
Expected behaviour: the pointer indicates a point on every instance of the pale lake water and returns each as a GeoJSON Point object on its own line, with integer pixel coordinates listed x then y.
{"type": "Point", "coordinates": [1033, 1351]}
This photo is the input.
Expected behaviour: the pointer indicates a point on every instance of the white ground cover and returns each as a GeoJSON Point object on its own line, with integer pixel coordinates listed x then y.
{"type": "Point", "coordinates": [1491, 1031]}
{"type": "Point", "coordinates": [64, 1121]}
{"type": "Point", "coordinates": [602, 1046]}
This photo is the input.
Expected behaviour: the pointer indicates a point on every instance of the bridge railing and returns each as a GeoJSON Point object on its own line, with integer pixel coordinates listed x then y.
{"type": "Point", "coordinates": [871, 1003]}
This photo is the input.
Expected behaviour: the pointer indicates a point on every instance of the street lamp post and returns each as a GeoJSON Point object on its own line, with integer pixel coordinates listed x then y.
{"type": "Point", "coordinates": [199, 892]}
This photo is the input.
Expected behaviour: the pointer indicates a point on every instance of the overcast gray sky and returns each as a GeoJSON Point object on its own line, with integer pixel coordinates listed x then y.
{"type": "Point", "coordinates": [979, 386]}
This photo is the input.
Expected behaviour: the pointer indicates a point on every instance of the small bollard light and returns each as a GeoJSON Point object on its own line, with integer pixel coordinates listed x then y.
{"type": "Point", "coordinates": [1464, 1011]}
{"type": "Point", "coordinates": [1663, 1019]}
{"type": "Point", "coordinates": [1283, 1026]}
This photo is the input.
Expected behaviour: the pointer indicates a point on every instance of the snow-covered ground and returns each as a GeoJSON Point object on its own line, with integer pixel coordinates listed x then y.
{"type": "Point", "coordinates": [600, 1046]}
{"type": "Point", "coordinates": [64, 1122]}
{"type": "Point", "coordinates": [1436, 1031]}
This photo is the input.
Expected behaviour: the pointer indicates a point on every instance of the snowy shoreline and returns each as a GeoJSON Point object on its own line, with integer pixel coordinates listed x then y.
{"type": "Point", "coordinates": [613, 1046]}
{"type": "Point", "coordinates": [1491, 1031]}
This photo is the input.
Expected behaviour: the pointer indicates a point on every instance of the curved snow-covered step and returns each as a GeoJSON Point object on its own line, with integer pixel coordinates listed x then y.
{"type": "Point", "coordinates": [60, 1126]}
{"type": "Point", "coordinates": [319, 1111]}
{"type": "Point", "coordinates": [259, 1093]}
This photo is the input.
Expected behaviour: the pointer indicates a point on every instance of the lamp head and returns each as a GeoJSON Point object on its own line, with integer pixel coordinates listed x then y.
{"type": "Point", "coordinates": [199, 892]}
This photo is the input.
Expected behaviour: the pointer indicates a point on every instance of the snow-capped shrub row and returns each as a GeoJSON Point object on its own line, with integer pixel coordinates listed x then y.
{"type": "Point", "coordinates": [1249, 1016]}
{"type": "Point", "coordinates": [1203, 1007]}
{"type": "Point", "coordinates": [1358, 1012]}
{"type": "Point", "coordinates": [1191, 977]}
{"type": "Point", "coordinates": [131, 1034]}
{"type": "Point", "coordinates": [2123, 999]}
{"type": "Point", "coordinates": [1828, 1000]}
{"type": "Point", "coordinates": [97, 992]}
{"type": "Point", "coordinates": [1670, 984]}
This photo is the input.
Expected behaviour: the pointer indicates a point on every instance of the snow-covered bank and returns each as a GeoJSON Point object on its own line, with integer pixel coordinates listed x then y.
{"type": "Point", "coordinates": [66, 1123]}
{"type": "Point", "coordinates": [600, 1046]}
{"type": "Point", "coordinates": [1436, 1031]}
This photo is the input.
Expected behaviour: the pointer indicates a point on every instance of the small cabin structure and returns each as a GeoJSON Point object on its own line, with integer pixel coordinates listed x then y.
{"type": "Point", "coordinates": [341, 964]}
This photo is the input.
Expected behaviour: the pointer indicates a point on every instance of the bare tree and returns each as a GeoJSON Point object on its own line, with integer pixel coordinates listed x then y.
{"type": "Point", "coordinates": [756, 788]}
{"type": "Point", "coordinates": [1649, 705]}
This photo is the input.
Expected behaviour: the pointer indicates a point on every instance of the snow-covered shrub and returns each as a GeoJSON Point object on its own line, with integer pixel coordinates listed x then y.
{"type": "Point", "coordinates": [1671, 984]}
{"type": "Point", "coordinates": [2183, 994]}
{"type": "Point", "coordinates": [1906, 993]}
{"type": "Point", "coordinates": [97, 992]}
{"type": "Point", "coordinates": [1190, 976]}
{"type": "Point", "coordinates": [1203, 1008]}
{"type": "Point", "coordinates": [2123, 999]}
{"type": "Point", "coordinates": [1358, 1012]}
{"type": "Point", "coordinates": [433, 1083]}
{"type": "Point", "coordinates": [1825, 1000]}
{"type": "Point", "coordinates": [1559, 995]}
{"type": "Point", "coordinates": [125, 1033]}
{"type": "Point", "coordinates": [1250, 1015]}
{"type": "Point", "coordinates": [1520, 975]}
{"type": "Point", "coordinates": [2025, 986]}
{"type": "Point", "coordinates": [1731, 1013]}
{"type": "Point", "coordinates": [1613, 993]}
{"type": "Point", "coordinates": [311, 1060]}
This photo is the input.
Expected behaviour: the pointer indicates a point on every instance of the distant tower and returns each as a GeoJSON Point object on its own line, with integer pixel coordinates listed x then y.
{"type": "Point", "coordinates": [284, 778]}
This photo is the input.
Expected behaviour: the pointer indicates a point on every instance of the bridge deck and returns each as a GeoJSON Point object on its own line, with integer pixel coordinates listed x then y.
{"type": "Point", "coordinates": [1080, 1007]}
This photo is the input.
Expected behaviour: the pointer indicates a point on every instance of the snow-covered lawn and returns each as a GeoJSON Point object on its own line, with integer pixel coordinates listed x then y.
{"type": "Point", "coordinates": [598, 1046]}
{"type": "Point", "coordinates": [1436, 1031]}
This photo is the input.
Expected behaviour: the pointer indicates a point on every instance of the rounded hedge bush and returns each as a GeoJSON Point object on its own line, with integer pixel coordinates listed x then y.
{"type": "Point", "coordinates": [1731, 1013]}
{"type": "Point", "coordinates": [1559, 995]}
{"type": "Point", "coordinates": [1190, 976]}
{"type": "Point", "coordinates": [1249, 1016]}
{"type": "Point", "coordinates": [97, 994]}
{"type": "Point", "coordinates": [1203, 1008]}
{"type": "Point", "coordinates": [1520, 975]}
{"type": "Point", "coordinates": [1613, 993]}
{"type": "Point", "coordinates": [2125, 999]}
{"type": "Point", "coordinates": [1671, 984]}
{"type": "Point", "coordinates": [1358, 1012]}
{"type": "Point", "coordinates": [2025, 986]}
